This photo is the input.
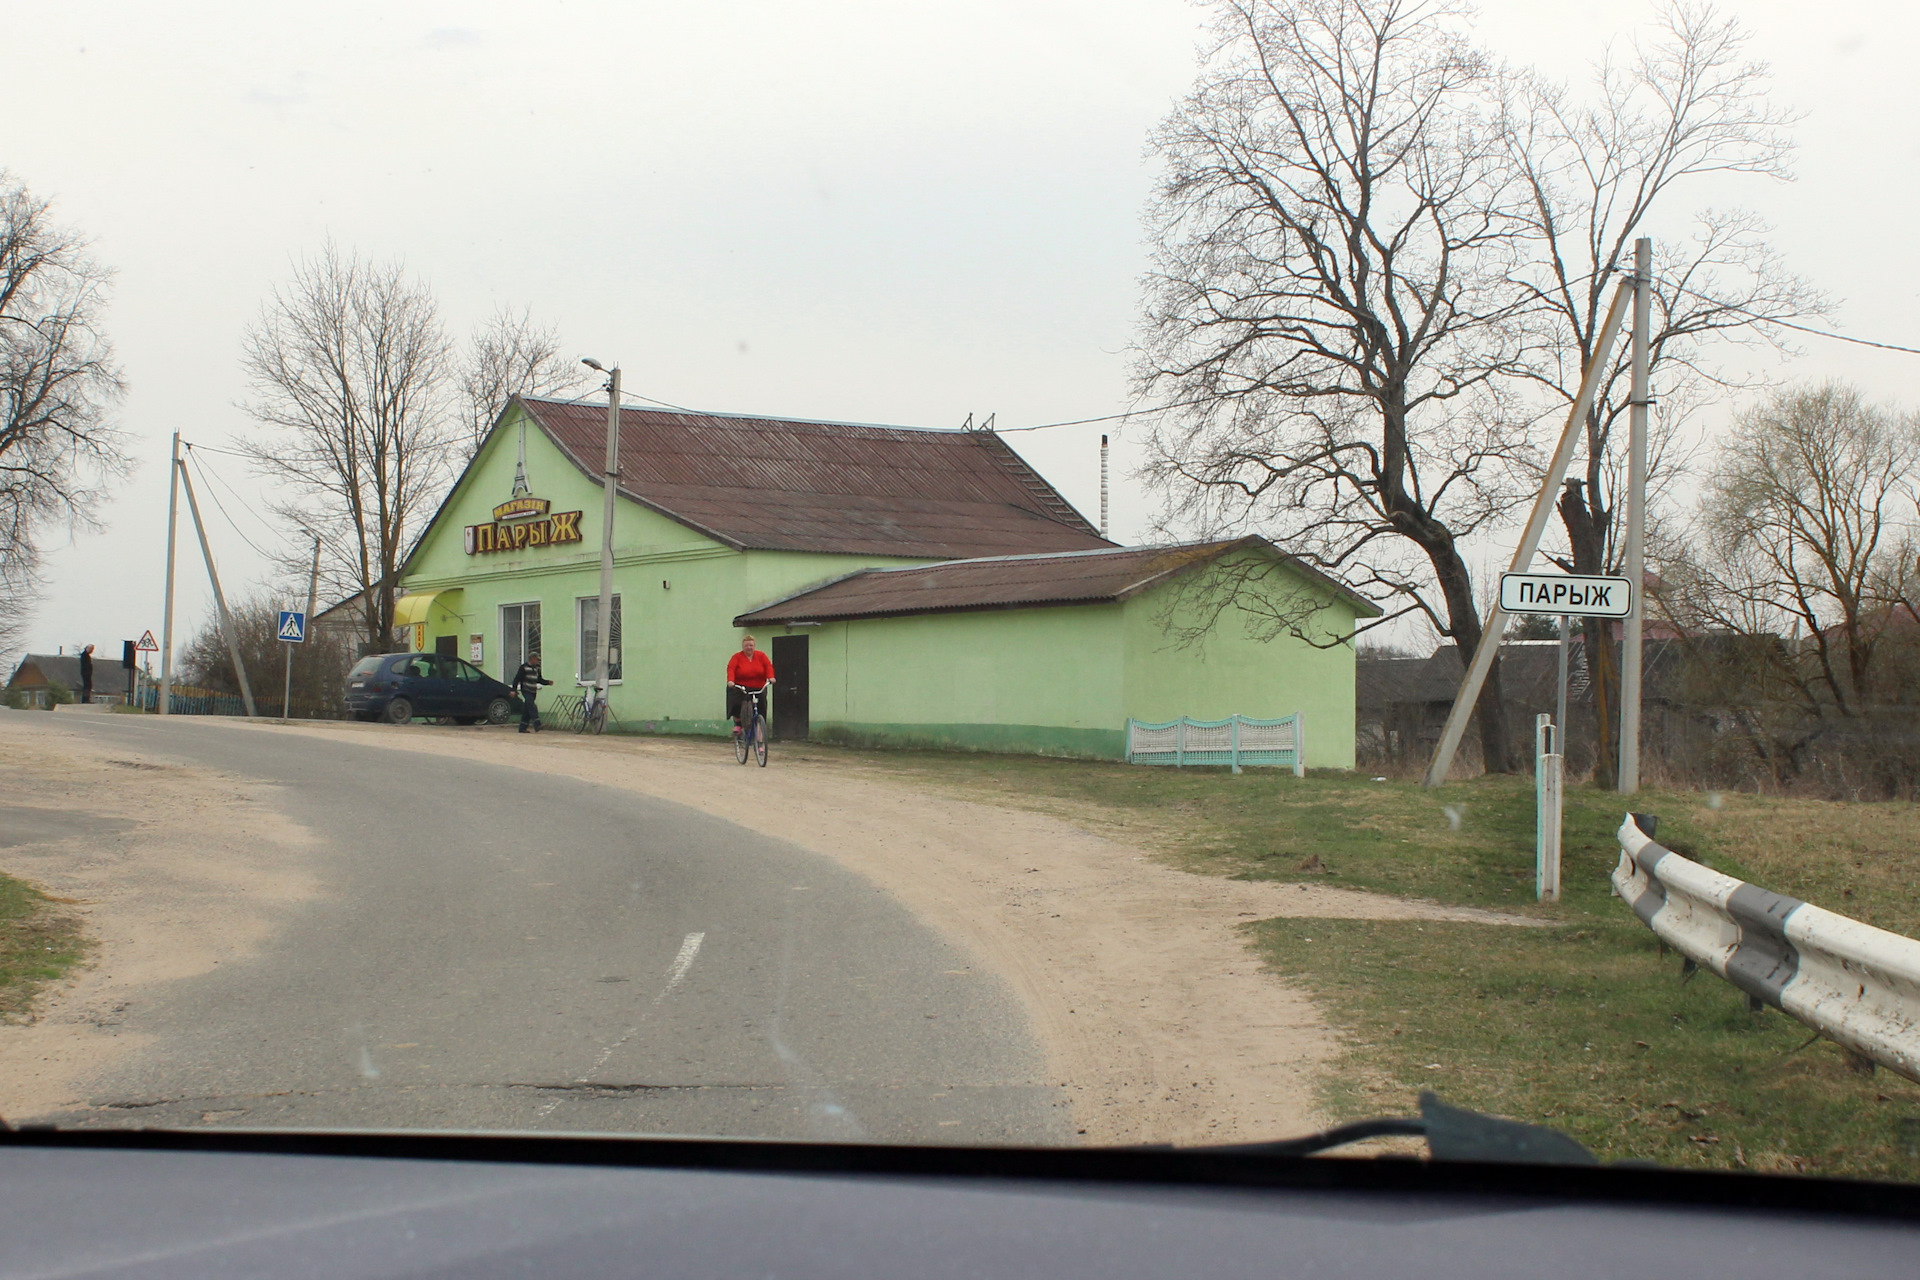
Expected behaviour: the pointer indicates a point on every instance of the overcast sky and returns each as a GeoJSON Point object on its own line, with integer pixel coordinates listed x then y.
{"type": "Point", "coordinates": [896, 213]}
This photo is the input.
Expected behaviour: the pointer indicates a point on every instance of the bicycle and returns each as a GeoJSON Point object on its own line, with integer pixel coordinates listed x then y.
{"type": "Point", "coordinates": [593, 713]}
{"type": "Point", "coordinates": [752, 734]}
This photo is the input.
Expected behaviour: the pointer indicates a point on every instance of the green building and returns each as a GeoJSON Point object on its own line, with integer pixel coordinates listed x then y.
{"type": "Point", "coordinates": [912, 586]}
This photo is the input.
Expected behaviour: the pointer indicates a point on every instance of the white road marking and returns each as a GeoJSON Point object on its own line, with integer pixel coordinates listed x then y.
{"type": "Point", "coordinates": [676, 973]}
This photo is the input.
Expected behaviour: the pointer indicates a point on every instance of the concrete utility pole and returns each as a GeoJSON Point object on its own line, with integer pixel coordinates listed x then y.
{"type": "Point", "coordinates": [166, 616]}
{"type": "Point", "coordinates": [1636, 566]}
{"type": "Point", "coordinates": [219, 597]}
{"type": "Point", "coordinates": [1476, 674]}
{"type": "Point", "coordinates": [603, 626]}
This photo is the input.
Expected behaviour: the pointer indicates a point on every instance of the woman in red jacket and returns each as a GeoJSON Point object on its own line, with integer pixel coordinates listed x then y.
{"type": "Point", "coordinates": [750, 670]}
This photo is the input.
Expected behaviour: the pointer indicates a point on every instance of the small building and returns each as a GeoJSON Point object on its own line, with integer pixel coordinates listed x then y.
{"type": "Point", "coordinates": [34, 679]}
{"type": "Point", "coordinates": [1054, 653]}
{"type": "Point", "coordinates": [911, 586]}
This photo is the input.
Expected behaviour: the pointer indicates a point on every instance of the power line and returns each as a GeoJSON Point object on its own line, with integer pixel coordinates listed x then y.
{"type": "Point", "coordinates": [1788, 324]}
{"type": "Point", "coordinates": [213, 493]}
{"type": "Point", "coordinates": [1111, 417]}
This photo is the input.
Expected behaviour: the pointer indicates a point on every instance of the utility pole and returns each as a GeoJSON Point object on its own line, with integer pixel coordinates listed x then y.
{"type": "Point", "coordinates": [219, 597]}
{"type": "Point", "coordinates": [1482, 660]}
{"type": "Point", "coordinates": [603, 626]}
{"type": "Point", "coordinates": [166, 616]}
{"type": "Point", "coordinates": [1636, 565]}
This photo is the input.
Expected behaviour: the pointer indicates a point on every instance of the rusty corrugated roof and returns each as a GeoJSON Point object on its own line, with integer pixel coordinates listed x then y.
{"type": "Point", "coordinates": [1009, 582]}
{"type": "Point", "coordinates": [782, 484]}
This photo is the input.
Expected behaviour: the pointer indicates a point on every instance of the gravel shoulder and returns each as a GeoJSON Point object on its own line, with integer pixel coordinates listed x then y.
{"type": "Point", "coordinates": [172, 869]}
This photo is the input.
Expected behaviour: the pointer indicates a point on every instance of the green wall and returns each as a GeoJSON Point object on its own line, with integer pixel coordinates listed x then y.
{"type": "Point", "coordinates": [1046, 680]}
{"type": "Point", "coordinates": [1232, 670]}
{"type": "Point", "coordinates": [1063, 681]}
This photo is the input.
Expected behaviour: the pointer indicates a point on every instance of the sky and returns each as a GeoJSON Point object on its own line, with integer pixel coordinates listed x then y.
{"type": "Point", "coordinates": [893, 213]}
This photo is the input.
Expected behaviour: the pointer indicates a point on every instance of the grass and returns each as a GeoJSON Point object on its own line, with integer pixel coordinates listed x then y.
{"type": "Point", "coordinates": [38, 944]}
{"type": "Point", "coordinates": [1582, 1025]}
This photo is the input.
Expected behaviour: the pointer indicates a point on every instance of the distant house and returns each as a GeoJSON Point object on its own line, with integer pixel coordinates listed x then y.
{"type": "Point", "coordinates": [38, 673]}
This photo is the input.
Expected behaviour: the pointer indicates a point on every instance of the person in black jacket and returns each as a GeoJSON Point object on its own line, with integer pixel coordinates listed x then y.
{"type": "Point", "coordinates": [527, 681]}
{"type": "Point", "coordinates": [86, 674]}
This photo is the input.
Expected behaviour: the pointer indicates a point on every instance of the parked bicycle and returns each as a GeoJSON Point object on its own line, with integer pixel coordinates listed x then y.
{"type": "Point", "coordinates": [753, 727]}
{"type": "Point", "coordinates": [593, 712]}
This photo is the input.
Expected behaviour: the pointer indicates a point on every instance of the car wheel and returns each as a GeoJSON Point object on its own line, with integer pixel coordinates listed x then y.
{"type": "Point", "coordinates": [499, 711]}
{"type": "Point", "coordinates": [399, 711]}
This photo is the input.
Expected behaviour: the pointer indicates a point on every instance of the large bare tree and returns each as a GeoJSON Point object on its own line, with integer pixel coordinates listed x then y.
{"type": "Point", "coordinates": [510, 355]}
{"type": "Point", "coordinates": [1331, 309]}
{"type": "Point", "coordinates": [58, 381]}
{"type": "Point", "coordinates": [1680, 106]}
{"type": "Point", "coordinates": [349, 366]}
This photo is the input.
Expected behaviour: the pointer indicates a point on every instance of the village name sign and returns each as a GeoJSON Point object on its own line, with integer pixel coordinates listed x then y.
{"type": "Point", "coordinates": [522, 522]}
{"type": "Point", "coordinates": [1575, 594]}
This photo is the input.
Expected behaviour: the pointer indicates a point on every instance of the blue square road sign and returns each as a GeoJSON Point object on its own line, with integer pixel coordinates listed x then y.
{"type": "Point", "coordinates": [293, 626]}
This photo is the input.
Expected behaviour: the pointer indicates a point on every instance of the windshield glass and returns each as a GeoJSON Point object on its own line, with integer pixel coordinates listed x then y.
{"type": "Point", "coordinates": [1154, 573]}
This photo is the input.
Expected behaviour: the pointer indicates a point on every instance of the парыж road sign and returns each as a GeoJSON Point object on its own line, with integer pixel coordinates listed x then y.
{"type": "Point", "coordinates": [293, 626]}
{"type": "Point", "coordinates": [1583, 597]}
{"type": "Point", "coordinates": [148, 644]}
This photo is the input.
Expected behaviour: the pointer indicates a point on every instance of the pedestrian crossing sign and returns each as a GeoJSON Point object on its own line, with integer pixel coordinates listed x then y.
{"type": "Point", "coordinates": [293, 626]}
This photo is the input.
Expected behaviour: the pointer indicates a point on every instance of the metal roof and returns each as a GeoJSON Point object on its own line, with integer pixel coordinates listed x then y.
{"type": "Point", "coordinates": [788, 485]}
{"type": "Point", "coordinates": [1010, 582]}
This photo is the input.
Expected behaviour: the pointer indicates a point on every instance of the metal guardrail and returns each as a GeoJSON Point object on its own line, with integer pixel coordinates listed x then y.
{"type": "Point", "coordinates": [1237, 741]}
{"type": "Point", "coordinates": [1855, 984]}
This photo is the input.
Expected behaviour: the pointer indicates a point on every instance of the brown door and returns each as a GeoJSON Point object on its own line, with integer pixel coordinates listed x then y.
{"type": "Point", "coordinates": [790, 718]}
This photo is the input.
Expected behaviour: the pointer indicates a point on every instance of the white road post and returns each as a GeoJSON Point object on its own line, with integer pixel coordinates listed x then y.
{"type": "Point", "coordinates": [166, 617]}
{"type": "Point", "coordinates": [1549, 797]}
{"type": "Point", "coordinates": [1636, 564]}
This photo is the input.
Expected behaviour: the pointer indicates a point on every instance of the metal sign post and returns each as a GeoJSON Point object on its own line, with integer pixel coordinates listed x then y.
{"type": "Point", "coordinates": [292, 628]}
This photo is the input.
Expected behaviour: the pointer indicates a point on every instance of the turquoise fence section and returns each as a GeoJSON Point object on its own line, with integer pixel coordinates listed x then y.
{"type": "Point", "coordinates": [1237, 742]}
{"type": "Point", "coordinates": [184, 704]}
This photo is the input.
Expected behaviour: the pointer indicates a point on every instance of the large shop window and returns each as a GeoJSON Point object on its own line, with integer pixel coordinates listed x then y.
{"type": "Point", "coordinates": [519, 635]}
{"type": "Point", "coordinates": [589, 607]}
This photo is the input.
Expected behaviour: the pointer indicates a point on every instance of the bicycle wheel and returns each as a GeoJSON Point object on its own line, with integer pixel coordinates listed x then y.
{"type": "Point", "coordinates": [740, 746]}
{"type": "Point", "coordinates": [760, 742]}
{"type": "Point", "coordinates": [597, 722]}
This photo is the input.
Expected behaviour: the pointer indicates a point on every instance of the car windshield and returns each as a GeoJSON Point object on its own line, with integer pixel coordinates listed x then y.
{"type": "Point", "coordinates": [1156, 572]}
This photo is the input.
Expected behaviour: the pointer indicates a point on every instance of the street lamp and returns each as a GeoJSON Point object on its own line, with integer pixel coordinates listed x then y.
{"type": "Point", "coordinates": [611, 478]}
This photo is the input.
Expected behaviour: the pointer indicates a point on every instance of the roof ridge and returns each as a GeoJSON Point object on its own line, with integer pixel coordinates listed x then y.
{"type": "Point", "coordinates": [1054, 555]}
{"type": "Point", "coordinates": [752, 417]}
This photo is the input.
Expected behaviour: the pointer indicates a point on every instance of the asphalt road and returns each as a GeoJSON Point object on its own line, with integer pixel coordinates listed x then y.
{"type": "Point", "coordinates": [505, 950]}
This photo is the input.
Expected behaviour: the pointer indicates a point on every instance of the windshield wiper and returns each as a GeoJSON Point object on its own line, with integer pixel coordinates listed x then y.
{"type": "Point", "coordinates": [1452, 1133]}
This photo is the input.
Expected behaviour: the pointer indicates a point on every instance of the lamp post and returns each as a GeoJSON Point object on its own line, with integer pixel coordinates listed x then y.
{"type": "Point", "coordinates": [603, 623]}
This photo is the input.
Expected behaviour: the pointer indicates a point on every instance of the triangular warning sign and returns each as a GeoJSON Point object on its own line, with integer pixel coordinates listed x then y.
{"type": "Point", "coordinates": [148, 644]}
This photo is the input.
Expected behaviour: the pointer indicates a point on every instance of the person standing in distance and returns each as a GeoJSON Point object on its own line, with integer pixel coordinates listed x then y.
{"type": "Point", "coordinates": [748, 670]}
{"type": "Point", "coordinates": [527, 681]}
{"type": "Point", "coordinates": [86, 674]}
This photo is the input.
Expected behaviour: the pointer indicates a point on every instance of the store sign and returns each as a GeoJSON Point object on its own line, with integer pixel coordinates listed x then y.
{"type": "Point", "coordinates": [521, 523]}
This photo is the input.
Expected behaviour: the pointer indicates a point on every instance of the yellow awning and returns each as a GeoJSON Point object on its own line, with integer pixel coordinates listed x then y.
{"type": "Point", "coordinates": [411, 609]}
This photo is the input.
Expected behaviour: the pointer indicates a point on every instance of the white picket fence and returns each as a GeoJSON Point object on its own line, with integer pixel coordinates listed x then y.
{"type": "Point", "coordinates": [1238, 742]}
{"type": "Point", "coordinates": [1855, 984]}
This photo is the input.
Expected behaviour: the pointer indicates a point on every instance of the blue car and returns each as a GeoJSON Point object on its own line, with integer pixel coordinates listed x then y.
{"type": "Point", "coordinates": [398, 687]}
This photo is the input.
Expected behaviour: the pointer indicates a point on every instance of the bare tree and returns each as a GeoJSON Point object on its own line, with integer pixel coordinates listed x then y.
{"type": "Point", "coordinates": [1681, 106]}
{"type": "Point", "coordinates": [1331, 310]}
{"type": "Point", "coordinates": [507, 356]}
{"type": "Point", "coordinates": [319, 665]}
{"type": "Point", "coordinates": [1806, 528]}
{"type": "Point", "coordinates": [349, 368]}
{"type": "Point", "coordinates": [58, 380]}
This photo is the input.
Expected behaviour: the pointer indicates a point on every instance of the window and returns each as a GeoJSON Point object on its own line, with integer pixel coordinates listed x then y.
{"type": "Point", "coordinates": [519, 635]}
{"type": "Point", "coordinates": [589, 608]}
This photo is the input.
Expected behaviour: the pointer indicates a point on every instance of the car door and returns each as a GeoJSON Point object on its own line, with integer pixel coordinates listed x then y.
{"type": "Point", "coordinates": [467, 689]}
{"type": "Point", "coordinates": [425, 685]}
